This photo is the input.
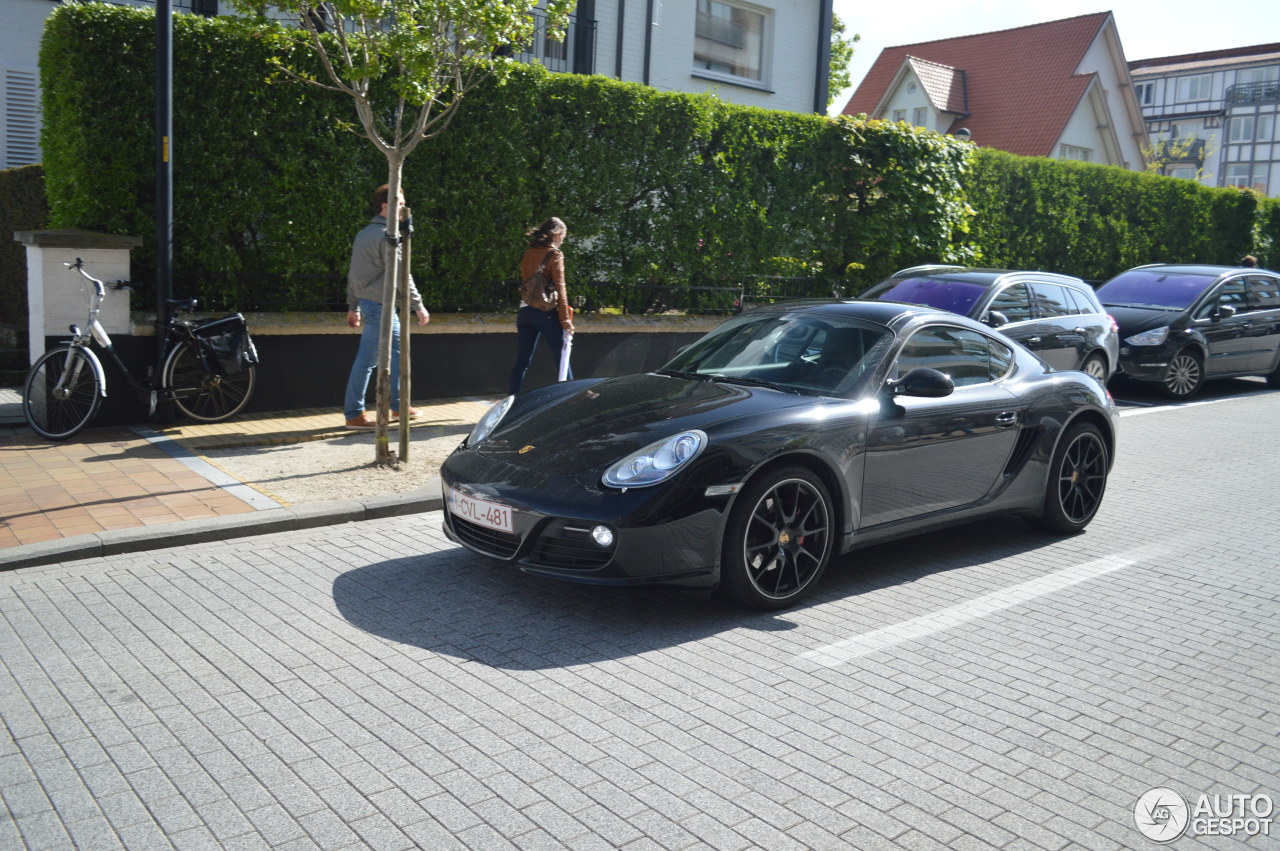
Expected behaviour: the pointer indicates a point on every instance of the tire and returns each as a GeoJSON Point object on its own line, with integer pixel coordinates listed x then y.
{"type": "Point", "coordinates": [1095, 365]}
{"type": "Point", "coordinates": [1184, 376]}
{"type": "Point", "coordinates": [62, 416]}
{"type": "Point", "coordinates": [203, 397]}
{"type": "Point", "coordinates": [779, 539]}
{"type": "Point", "coordinates": [1077, 480]}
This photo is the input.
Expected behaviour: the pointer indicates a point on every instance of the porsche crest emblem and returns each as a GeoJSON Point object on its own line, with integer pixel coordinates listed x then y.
{"type": "Point", "coordinates": [525, 449]}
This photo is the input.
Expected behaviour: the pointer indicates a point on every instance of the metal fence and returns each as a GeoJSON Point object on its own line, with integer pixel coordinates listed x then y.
{"type": "Point", "coordinates": [257, 292]}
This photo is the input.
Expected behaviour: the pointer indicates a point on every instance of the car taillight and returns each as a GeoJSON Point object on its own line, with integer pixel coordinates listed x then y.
{"type": "Point", "coordinates": [1114, 326]}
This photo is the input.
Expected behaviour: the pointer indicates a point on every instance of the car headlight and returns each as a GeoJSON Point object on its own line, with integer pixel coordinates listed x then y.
{"type": "Point", "coordinates": [1154, 337]}
{"type": "Point", "coordinates": [657, 462]}
{"type": "Point", "coordinates": [489, 421]}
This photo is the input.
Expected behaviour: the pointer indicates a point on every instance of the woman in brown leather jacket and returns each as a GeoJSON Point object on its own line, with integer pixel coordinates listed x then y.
{"type": "Point", "coordinates": [532, 323]}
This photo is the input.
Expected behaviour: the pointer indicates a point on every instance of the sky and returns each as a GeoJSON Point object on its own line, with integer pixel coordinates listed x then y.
{"type": "Point", "coordinates": [1147, 28]}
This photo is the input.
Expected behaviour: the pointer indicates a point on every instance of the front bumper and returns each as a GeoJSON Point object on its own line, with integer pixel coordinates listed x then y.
{"type": "Point", "coordinates": [1144, 363]}
{"type": "Point", "coordinates": [660, 535]}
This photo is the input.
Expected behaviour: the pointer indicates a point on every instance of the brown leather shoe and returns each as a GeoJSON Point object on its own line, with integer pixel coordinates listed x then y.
{"type": "Point", "coordinates": [364, 422]}
{"type": "Point", "coordinates": [414, 413]}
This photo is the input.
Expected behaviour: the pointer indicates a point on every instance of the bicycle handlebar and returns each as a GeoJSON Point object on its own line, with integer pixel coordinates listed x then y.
{"type": "Point", "coordinates": [78, 265]}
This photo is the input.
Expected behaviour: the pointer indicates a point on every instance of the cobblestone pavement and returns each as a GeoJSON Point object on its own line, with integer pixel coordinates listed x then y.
{"type": "Point", "coordinates": [372, 686]}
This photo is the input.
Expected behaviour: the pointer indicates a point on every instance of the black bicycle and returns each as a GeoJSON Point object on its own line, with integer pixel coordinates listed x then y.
{"type": "Point", "coordinates": [208, 370]}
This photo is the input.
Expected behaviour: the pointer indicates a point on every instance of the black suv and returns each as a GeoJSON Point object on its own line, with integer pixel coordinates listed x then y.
{"type": "Point", "coordinates": [1183, 324]}
{"type": "Point", "coordinates": [1056, 316]}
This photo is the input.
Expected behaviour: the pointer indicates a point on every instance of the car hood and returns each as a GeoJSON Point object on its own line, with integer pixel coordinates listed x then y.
{"type": "Point", "coordinates": [601, 423]}
{"type": "Point", "coordinates": [1135, 319]}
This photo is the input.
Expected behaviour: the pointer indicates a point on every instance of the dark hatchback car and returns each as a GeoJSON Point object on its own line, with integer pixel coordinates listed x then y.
{"type": "Point", "coordinates": [1056, 316]}
{"type": "Point", "coordinates": [790, 434]}
{"type": "Point", "coordinates": [1181, 325]}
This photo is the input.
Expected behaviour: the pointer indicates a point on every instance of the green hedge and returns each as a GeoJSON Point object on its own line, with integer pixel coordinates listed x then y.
{"type": "Point", "coordinates": [1094, 221]}
{"type": "Point", "coordinates": [22, 207]}
{"type": "Point", "coordinates": [657, 187]}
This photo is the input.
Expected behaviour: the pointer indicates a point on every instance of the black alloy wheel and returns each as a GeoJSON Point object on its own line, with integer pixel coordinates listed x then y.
{"type": "Point", "coordinates": [1077, 480]}
{"type": "Point", "coordinates": [779, 539]}
{"type": "Point", "coordinates": [1184, 375]}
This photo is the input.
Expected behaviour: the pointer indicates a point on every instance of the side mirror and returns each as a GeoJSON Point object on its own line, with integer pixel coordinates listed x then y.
{"type": "Point", "coordinates": [922, 382]}
{"type": "Point", "coordinates": [1224, 311]}
{"type": "Point", "coordinates": [995, 319]}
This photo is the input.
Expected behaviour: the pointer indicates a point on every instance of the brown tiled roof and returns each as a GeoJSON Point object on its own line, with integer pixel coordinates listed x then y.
{"type": "Point", "coordinates": [944, 85]}
{"type": "Point", "coordinates": [1022, 85]}
{"type": "Point", "coordinates": [1267, 54]}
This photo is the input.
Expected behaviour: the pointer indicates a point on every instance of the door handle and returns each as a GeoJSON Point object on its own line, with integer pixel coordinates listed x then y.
{"type": "Point", "coordinates": [1006, 419]}
{"type": "Point", "coordinates": [1082, 331]}
{"type": "Point", "coordinates": [1033, 339]}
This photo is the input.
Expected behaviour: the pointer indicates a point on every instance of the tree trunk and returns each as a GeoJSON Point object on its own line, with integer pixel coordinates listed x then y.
{"type": "Point", "coordinates": [391, 268]}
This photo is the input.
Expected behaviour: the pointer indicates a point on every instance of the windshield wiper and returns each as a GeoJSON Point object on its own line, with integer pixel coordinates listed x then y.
{"type": "Point", "coordinates": [755, 382]}
{"type": "Point", "coordinates": [675, 373]}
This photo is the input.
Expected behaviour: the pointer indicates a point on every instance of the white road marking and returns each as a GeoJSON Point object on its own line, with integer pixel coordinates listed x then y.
{"type": "Point", "coordinates": [928, 624]}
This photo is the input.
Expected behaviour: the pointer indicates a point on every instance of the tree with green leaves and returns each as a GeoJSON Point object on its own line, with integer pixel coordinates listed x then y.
{"type": "Point", "coordinates": [839, 77]}
{"type": "Point", "coordinates": [407, 65]}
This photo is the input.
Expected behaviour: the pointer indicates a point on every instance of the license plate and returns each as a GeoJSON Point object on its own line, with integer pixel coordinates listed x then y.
{"type": "Point", "coordinates": [491, 515]}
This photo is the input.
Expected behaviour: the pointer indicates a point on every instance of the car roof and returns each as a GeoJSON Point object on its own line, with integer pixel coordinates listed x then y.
{"type": "Point", "coordinates": [1197, 269]}
{"type": "Point", "coordinates": [984, 276]}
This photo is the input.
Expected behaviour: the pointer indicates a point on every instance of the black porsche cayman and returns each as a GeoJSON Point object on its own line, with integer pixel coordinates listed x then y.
{"type": "Point", "coordinates": [787, 435]}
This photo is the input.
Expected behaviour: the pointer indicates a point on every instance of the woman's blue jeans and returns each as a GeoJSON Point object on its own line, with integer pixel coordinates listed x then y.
{"type": "Point", "coordinates": [531, 324]}
{"type": "Point", "coordinates": [367, 359]}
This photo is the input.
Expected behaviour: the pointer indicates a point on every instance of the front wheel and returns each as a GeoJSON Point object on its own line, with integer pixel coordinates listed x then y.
{"type": "Point", "coordinates": [1077, 480]}
{"type": "Point", "coordinates": [778, 540]}
{"type": "Point", "coordinates": [57, 412]}
{"type": "Point", "coordinates": [1184, 375]}
{"type": "Point", "coordinates": [201, 395]}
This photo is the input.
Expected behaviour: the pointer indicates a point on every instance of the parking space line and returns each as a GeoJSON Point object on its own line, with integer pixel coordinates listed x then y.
{"type": "Point", "coordinates": [933, 622]}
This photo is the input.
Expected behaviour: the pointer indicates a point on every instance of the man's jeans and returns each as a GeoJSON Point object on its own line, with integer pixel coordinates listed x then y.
{"type": "Point", "coordinates": [367, 359]}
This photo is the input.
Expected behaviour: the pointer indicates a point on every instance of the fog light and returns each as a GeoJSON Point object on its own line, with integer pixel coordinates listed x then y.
{"type": "Point", "coordinates": [602, 535]}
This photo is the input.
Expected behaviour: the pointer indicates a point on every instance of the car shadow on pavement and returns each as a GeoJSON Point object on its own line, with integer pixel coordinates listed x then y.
{"type": "Point", "coordinates": [459, 604]}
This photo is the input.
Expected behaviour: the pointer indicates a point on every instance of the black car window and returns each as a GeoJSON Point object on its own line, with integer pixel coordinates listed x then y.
{"type": "Point", "coordinates": [1014, 301]}
{"type": "Point", "coordinates": [1154, 288]}
{"type": "Point", "coordinates": [1001, 359]}
{"type": "Point", "coordinates": [1052, 300]}
{"type": "Point", "coordinates": [1231, 293]}
{"type": "Point", "coordinates": [1084, 302]}
{"type": "Point", "coordinates": [1264, 293]}
{"type": "Point", "coordinates": [955, 296]}
{"type": "Point", "coordinates": [962, 354]}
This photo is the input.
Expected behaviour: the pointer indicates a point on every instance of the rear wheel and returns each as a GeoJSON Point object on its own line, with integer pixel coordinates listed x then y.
{"type": "Point", "coordinates": [57, 414]}
{"type": "Point", "coordinates": [1184, 375]}
{"type": "Point", "coordinates": [204, 396]}
{"type": "Point", "coordinates": [1095, 365]}
{"type": "Point", "coordinates": [778, 540]}
{"type": "Point", "coordinates": [1077, 480]}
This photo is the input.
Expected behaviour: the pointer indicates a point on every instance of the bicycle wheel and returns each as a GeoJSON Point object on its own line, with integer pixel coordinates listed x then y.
{"type": "Point", "coordinates": [58, 414]}
{"type": "Point", "coordinates": [200, 395]}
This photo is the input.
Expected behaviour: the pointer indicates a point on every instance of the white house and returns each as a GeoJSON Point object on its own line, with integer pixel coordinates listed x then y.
{"type": "Point", "coordinates": [1212, 116]}
{"type": "Point", "coordinates": [767, 53]}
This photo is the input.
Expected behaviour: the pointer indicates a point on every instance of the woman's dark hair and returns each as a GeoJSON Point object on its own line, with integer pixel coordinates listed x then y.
{"type": "Point", "coordinates": [1250, 261]}
{"type": "Point", "coordinates": [545, 232]}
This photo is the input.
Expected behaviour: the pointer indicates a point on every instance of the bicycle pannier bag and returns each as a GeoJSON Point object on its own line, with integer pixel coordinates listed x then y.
{"type": "Point", "coordinates": [227, 343]}
{"type": "Point", "coordinates": [537, 289]}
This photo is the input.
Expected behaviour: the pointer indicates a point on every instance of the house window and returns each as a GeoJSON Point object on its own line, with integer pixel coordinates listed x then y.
{"type": "Point", "coordinates": [1240, 129]}
{"type": "Point", "coordinates": [1247, 176]}
{"type": "Point", "coordinates": [729, 39]}
{"type": "Point", "coordinates": [1074, 152]}
{"type": "Point", "coordinates": [1194, 88]}
{"type": "Point", "coordinates": [21, 119]}
{"type": "Point", "coordinates": [1255, 75]}
{"type": "Point", "coordinates": [1146, 93]}
{"type": "Point", "coordinates": [899, 115]}
{"type": "Point", "coordinates": [1186, 172]}
{"type": "Point", "coordinates": [921, 118]}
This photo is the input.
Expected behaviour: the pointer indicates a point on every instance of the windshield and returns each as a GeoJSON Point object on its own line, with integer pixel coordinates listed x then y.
{"type": "Point", "coordinates": [955, 296]}
{"type": "Point", "coordinates": [1154, 288]}
{"type": "Point", "coordinates": [807, 353]}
